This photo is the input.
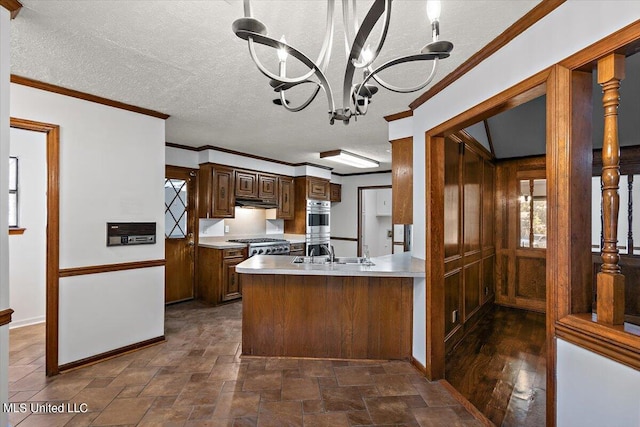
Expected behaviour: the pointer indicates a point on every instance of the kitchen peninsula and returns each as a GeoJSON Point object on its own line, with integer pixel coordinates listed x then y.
{"type": "Point", "coordinates": [331, 310]}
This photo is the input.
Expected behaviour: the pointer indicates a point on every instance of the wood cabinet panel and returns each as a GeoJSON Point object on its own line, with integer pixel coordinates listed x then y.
{"type": "Point", "coordinates": [452, 232]}
{"type": "Point", "coordinates": [215, 191]}
{"type": "Point", "coordinates": [323, 316]}
{"type": "Point", "coordinates": [246, 184]}
{"type": "Point", "coordinates": [267, 186]}
{"type": "Point", "coordinates": [286, 198]}
{"type": "Point", "coordinates": [336, 192]}
{"type": "Point", "coordinates": [531, 278]}
{"type": "Point", "coordinates": [318, 188]}
{"type": "Point", "coordinates": [402, 180]}
{"type": "Point", "coordinates": [472, 178]}
{"type": "Point", "coordinates": [218, 281]}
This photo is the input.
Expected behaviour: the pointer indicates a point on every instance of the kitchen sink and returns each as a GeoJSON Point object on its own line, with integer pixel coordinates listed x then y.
{"type": "Point", "coordinates": [327, 260]}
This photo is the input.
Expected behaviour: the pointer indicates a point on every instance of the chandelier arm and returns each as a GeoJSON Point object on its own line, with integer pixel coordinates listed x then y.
{"type": "Point", "coordinates": [327, 45]}
{"type": "Point", "coordinates": [381, 39]}
{"type": "Point", "coordinates": [268, 41]}
{"type": "Point", "coordinates": [377, 9]}
{"type": "Point", "coordinates": [268, 73]}
{"type": "Point", "coordinates": [247, 8]}
{"type": "Point", "coordinates": [397, 89]}
{"type": "Point", "coordinates": [401, 60]}
{"type": "Point", "coordinates": [304, 104]}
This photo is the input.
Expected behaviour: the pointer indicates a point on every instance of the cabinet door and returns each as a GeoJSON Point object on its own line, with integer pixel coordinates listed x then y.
{"type": "Point", "coordinates": [246, 184]}
{"type": "Point", "coordinates": [230, 280]}
{"type": "Point", "coordinates": [318, 189]}
{"type": "Point", "coordinates": [223, 198]}
{"type": "Point", "coordinates": [267, 187]}
{"type": "Point", "coordinates": [336, 192]}
{"type": "Point", "coordinates": [285, 198]}
{"type": "Point", "coordinates": [205, 192]}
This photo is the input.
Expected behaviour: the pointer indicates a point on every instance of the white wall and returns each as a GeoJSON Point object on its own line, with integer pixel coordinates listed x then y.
{"type": "Point", "coordinates": [595, 391]}
{"type": "Point", "coordinates": [571, 27]}
{"type": "Point", "coordinates": [5, 47]}
{"type": "Point", "coordinates": [27, 252]}
{"type": "Point", "coordinates": [374, 224]}
{"type": "Point", "coordinates": [344, 214]}
{"type": "Point", "coordinates": [112, 169]}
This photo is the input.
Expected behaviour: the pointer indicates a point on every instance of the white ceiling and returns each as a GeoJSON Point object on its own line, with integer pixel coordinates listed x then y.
{"type": "Point", "coordinates": [181, 58]}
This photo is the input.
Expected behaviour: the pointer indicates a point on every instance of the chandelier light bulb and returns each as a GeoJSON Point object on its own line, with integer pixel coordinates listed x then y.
{"type": "Point", "coordinates": [433, 10]}
{"type": "Point", "coordinates": [282, 52]}
{"type": "Point", "coordinates": [367, 55]}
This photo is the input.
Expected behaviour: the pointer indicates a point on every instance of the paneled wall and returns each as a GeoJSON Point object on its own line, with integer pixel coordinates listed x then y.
{"type": "Point", "coordinates": [468, 234]}
{"type": "Point", "coordinates": [521, 271]}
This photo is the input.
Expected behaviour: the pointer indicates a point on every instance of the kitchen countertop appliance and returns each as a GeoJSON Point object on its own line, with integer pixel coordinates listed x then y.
{"type": "Point", "coordinates": [265, 246]}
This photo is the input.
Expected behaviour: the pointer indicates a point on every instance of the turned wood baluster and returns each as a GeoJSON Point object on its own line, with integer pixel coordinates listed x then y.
{"type": "Point", "coordinates": [610, 298]}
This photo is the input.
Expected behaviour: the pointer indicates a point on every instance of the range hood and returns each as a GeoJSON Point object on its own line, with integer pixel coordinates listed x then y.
{"type": "Point", "coordinates": [256, 203]}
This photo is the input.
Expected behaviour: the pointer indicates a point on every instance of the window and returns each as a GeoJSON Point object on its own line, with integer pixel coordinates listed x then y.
{"type": "Point", "coordinates": [13, 192]}
{"type": "Point", "coordinates": [533, 213]}
{"type": "Point", "coordinates": [175, 208]}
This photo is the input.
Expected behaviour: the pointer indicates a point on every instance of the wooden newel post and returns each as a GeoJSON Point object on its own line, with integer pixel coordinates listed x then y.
{"type": "Point", "coordinates": [610, 298]}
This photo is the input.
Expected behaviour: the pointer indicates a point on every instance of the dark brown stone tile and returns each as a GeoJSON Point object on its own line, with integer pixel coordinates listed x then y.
{"type": "Point", "coordinates": [312, 406]}
{"type": "Point", "coordinates": [342, 399]}
{"type": "Point", "coordinates": [326, 420]}
{"type": "Point", "coordinates": [394, 385]}
{"type": "Point", "coordinates": [389, 410]}
{"type": "Point", "coordinates": [237, 404]}
{"type": "Point", "coordinates": [359, 418]}
{"type": "Point", "coordinates": [280, 414]}
{"type": "Point", "coordinates": [300, 389]}
{"type": "Point", "coordinates": [266, 380]}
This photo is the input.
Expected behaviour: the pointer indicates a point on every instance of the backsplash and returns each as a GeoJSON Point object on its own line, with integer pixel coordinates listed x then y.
{"type": "Point", "coordinates": [247, 222]}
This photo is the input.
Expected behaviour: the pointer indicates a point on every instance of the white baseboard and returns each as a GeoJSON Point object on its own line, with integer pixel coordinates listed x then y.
{"type": "Point", "coordinates": [26, 322]}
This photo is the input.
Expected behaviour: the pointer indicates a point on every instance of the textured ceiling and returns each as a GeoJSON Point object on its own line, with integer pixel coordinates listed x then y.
{"type": "Point", "coordinates": [181, 58]}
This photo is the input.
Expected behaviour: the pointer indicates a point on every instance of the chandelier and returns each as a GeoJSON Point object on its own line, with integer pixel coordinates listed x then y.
{"type": "Point", "coordinates": [360, 56]}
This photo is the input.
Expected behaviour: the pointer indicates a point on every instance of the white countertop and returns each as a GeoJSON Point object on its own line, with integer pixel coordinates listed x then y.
{"type": "Point", "coordinates": [217, 243]}
{"type": "Point", "coordinates": [397, 265]}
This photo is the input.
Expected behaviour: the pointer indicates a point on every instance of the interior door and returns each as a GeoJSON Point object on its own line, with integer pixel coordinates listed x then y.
{"type": "Point", "coordinates": [180, 225]}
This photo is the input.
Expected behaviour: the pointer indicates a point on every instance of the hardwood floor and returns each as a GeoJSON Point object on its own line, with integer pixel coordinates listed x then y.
{"type": "Point", "coordinates": [500, 367]}
{"type": "Point", "coordinates": [198, 378]}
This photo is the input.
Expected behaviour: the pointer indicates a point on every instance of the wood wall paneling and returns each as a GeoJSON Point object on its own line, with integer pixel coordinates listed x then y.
{"type": "Point", "coordinates": [452, 202]}
{"type": "Point", "coordinates": [472, 181]}
{"type": "Point", "coordinates": [472, 285]}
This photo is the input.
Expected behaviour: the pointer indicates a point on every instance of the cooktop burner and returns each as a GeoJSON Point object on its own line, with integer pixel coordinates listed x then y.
{"type": "Point", "coordinates": [257, 240]}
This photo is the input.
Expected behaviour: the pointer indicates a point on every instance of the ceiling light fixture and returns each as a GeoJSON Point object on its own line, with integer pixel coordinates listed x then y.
{"type": "Point", "coordinates": [355, 97]}
{"type": "Point", "coordinates": [350, 159]}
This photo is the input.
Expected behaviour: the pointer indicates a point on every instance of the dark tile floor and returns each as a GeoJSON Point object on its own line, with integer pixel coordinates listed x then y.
{"type": "Point", "coordinates": [500, 367]}
{"type": "Point", "coordinates": [197, 378]}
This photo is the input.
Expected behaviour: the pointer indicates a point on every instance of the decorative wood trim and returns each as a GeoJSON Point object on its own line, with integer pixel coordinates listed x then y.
{"type": "Point", "coordinates": [53, 236]}
{"type": "Point", "coordinates": [488, 131]}
{"type": "Point", "coordinates": [467, 405]}
{"type": "Point", "coordinates": [108, 268]}
{"type": "Point", "coordinates": [12, 6]}
{"type": "Point", "coordinates": [5, 316]}
{"type": "Point", "coordinates": [534, 15]}
{"type": "Point", "coordinates": [525, 91]}
{"type": "Point", "coordinates": [360, 173]}
{"type": "Point", "coordinates": [238, 153]}
{"type": "Point", "coordinates": [111, 354]}
{"type": "Point", "coordinates": [612, 342]}
{"type": "Point", "coordinates": [16, 230]}
{"type": "Point", "coordinates": [345, 239]}
{"type": "Point", "coordinates": [614, 42]}
{"type": "Point", "coordinates": [25, 81]}
{"type": "Point", "coordinates": [398, 116]}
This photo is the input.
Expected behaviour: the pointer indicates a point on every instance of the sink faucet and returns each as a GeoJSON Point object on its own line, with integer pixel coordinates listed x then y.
{"type": "Point", "coordinates": [331, 252]}
{"type": "Point", "coordinates": [311, 254]}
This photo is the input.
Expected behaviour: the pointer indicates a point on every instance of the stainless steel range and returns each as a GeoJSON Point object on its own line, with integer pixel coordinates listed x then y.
{"type": "Point", "coordinates": [265, 246]}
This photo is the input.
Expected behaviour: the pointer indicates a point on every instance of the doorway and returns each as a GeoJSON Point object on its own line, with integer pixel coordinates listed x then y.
{"type": "Point", "coordinates": [375, 230]}
{"type": "Point", "coordinates": [52, 250]}
{"type": "Point", "coordinates": [180, 229]}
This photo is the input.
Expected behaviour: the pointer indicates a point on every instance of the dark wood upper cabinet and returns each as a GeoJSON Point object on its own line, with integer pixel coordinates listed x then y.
{"type": "Point", "coordinates": [318, 188]}
{"type": "Point", "coordinates": [402, 181]}
{"type": "Point", "coordinates": [267, 186]}
{"type": "Point", "coordinates": [336, 192]}
{"type": "Point", "coordinates": [216, 191]}
{"type": "Point", "coordinates": [286, 198]}
{"type": "Point", "coordinates": [246, 184]}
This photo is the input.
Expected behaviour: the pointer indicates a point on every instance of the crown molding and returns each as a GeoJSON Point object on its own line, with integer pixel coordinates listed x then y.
{"type": "Point", "coordinates": [25, 81]}
{"type": "Point", "coordinates": [398, 116]}
{"type": "Point", "coordinates": [544, 8]}
{"type": "Point", "coordinates": [13, 6]}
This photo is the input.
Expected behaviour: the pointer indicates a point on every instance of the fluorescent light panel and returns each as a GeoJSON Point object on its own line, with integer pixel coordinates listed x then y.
{"type": "Point", "coordinates": [350, 159]}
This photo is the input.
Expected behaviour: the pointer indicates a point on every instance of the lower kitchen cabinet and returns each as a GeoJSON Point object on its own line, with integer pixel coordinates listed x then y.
{"type": "Point", "coordinates": [217, 278]}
